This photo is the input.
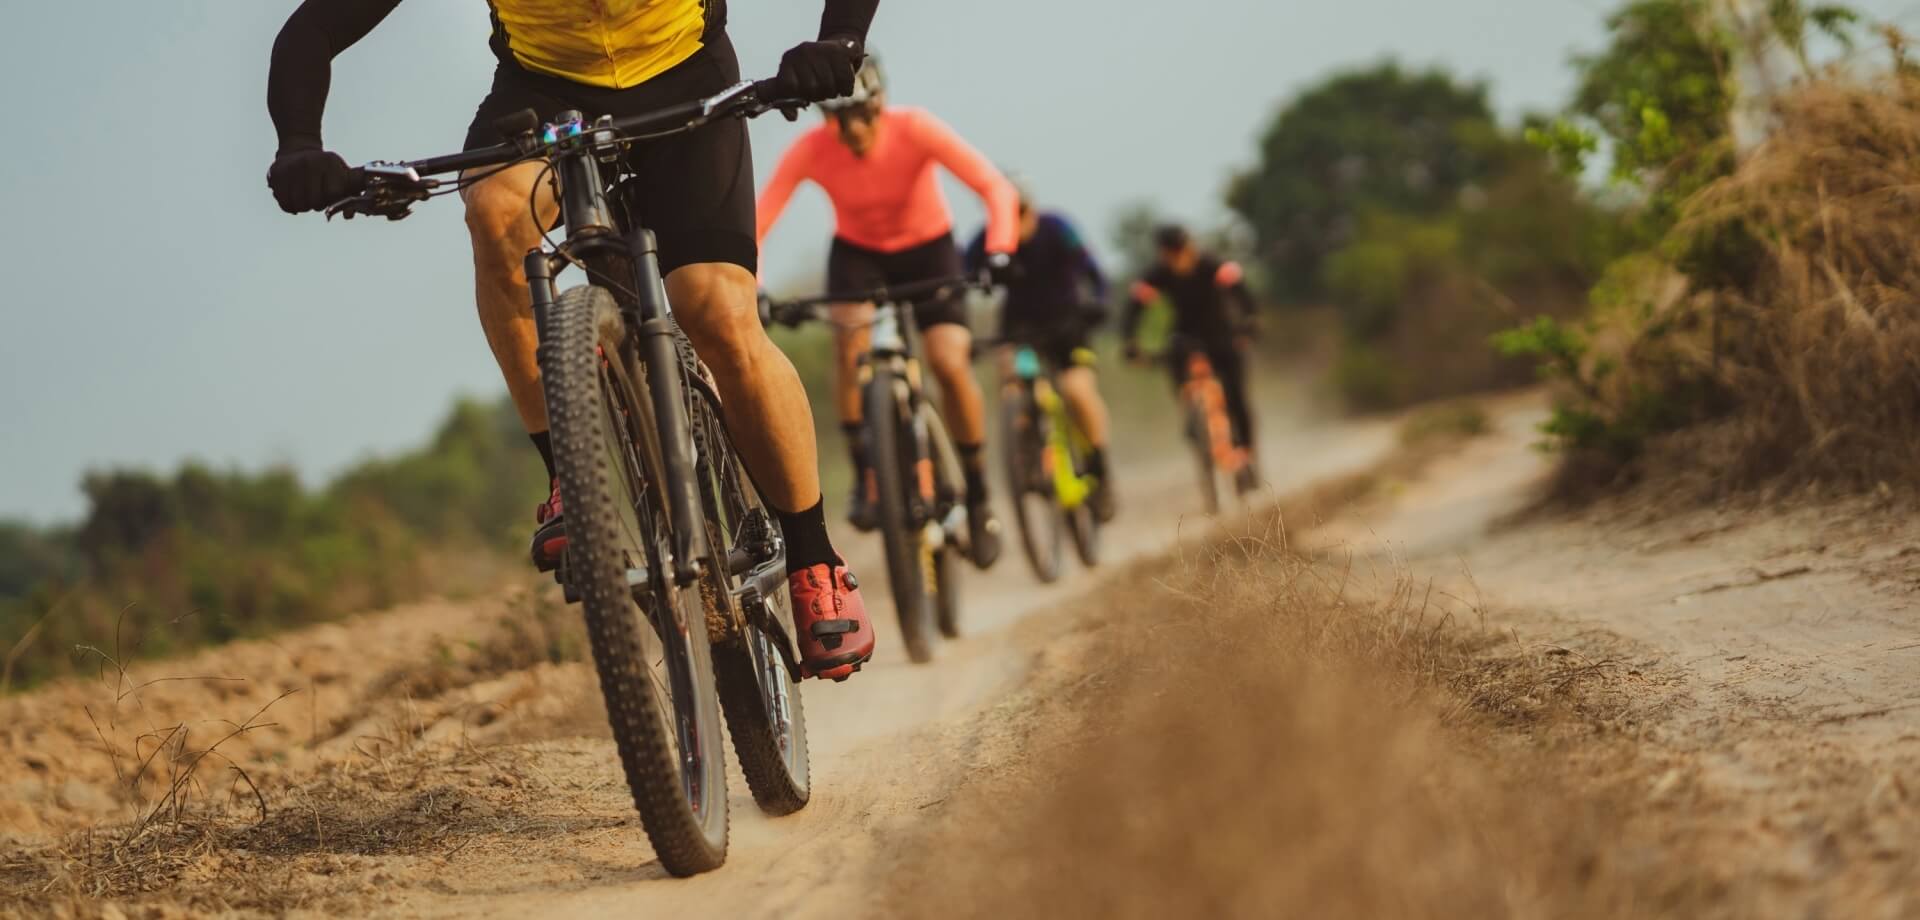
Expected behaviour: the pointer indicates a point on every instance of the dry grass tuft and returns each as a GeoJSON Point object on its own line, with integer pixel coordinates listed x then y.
{"type": "Point", "coordinates": [1785, 355]}
{"type": "Point", "coordinates": [1822, 348]}
{"type": "Point", "coordinates": [212, 821]}
{"type": "Point", "coordinates": [1266, 733]}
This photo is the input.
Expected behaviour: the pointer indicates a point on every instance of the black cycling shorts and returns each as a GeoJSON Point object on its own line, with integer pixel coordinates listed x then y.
{"type": "Point", "coordinates": [693, 190]}
{"type": "Point", "coordinates": [1061, 347]}
{"type": "Point", "coordinates": [857, 268]}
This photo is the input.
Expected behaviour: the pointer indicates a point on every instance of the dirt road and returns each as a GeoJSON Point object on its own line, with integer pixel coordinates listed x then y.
{"type": "Point", "coordinates": [1770, 650]}
{"type": "Point", "coordinates": [437, 760]}
{"type": "Point", "coordinates": [1430, 705]}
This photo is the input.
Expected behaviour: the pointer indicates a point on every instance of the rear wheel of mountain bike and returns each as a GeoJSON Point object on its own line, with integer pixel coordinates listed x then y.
{"type": "Point", "coordinates": [943, 569]}
{"type": "Point", "coordinates": [649, 640]}
{"type": "Point", "coordinates": [1022, 435]}
{"type": "Point", "coordinates": [1201, 441]}
{"type": "Point", "coordinates": [757, 688]}
{"type": "Point", "coordinates": [897, 477]}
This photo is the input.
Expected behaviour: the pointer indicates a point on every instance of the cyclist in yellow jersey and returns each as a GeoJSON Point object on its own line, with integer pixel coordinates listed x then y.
{"type": "Point", "coordinates": [620, 57]}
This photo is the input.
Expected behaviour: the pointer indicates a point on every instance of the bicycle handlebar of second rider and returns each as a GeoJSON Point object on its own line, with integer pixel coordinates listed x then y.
{"type": "Point", "coordinates": [796, 310]}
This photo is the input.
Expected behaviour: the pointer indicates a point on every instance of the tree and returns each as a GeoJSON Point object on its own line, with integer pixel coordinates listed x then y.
{"type": "Point", "coordinates": [1381, 139]}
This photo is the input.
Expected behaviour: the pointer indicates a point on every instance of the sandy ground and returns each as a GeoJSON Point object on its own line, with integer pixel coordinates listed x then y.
{"type": "Point", "coordinates": [1773, 653]}
{"type": "Point", "coordinates": [428, 761]}
{"type": "Point", "coordinates": [1737, 732]}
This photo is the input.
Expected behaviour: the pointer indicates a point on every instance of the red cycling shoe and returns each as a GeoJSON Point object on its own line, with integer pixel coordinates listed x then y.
{"type": "Point", "coordinates": [550, 539]}
{"type": "Point", "coordinates": [834, 635]}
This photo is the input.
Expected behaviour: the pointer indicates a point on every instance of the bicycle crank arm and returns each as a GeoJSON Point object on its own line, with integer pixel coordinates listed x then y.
{"type": "Point", "coordinates": [764, 582]}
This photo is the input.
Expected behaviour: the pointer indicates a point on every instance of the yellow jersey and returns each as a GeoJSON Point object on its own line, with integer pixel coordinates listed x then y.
{"type": "Point", "coordinates": [611, 43]}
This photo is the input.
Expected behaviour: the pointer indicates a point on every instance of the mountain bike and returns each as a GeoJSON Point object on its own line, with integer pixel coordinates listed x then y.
{"type": "Point", "coordinates": [1046, 460]}
{"type": "Point", "coordinates": [673, 553]}
{"type": "Point", "coordinates": [920, 488]}
{"type": "Point", "coordinates": [1223, 465]}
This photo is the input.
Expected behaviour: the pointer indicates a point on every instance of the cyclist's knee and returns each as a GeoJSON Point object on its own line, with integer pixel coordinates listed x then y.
{"type": "Point", "coordinates": [951, 358]}
{"type": "Point", "coordinates": [716, 304]}
{"type": "Point", "coordinates": [499, 219]}
{"type": "Point", "coordinates": [1079, 379]}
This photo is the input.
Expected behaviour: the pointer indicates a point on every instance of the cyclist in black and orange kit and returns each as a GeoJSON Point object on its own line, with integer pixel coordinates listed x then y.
{"type": "Point", "coordinates": [1213, 312]}
{"type": "Point", "coordinates": [619, 58]}
{"type": "Point", "coordinates": [1055, 298]}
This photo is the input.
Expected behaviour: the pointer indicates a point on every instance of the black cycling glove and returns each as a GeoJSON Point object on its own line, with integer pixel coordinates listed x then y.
{"type": "Point", "coordinates": [1001, 270]}
{"type": "Point", "coordinates": [820, 70]}
{"type": "Point", "coordinates": [309, 179]}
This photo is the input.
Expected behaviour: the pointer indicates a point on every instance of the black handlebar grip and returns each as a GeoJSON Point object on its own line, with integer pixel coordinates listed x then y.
{"type": "Point", "coordinates": [514, 124]}
{"type": "Point", "coordinates": [774, 93]}
{"type": "Point", "coordinates": [356, 180]}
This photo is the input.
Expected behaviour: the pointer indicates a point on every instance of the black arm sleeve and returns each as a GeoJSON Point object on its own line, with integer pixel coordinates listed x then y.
{"type": "Point", "coordinates": [302, 68]}
{"type": "Point", "coordinates": [848, 19]}
{"type": "Point", "coordinates": [1240, 305]}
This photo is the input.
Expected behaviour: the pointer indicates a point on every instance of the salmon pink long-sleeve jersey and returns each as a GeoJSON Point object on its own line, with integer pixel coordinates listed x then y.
{"type": "Point", "coordinates": [888, 200]}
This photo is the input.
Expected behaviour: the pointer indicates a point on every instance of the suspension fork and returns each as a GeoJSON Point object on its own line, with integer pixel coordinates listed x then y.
{"type": "Point", "coordinates": [660, 355]}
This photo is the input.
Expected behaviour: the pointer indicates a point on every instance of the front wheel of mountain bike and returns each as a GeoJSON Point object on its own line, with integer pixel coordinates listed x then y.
{"type": "Point", "coordinates": [897, 475]}
{"type": "Point", "coordinates": [1023, 441]}
{"type": "Point", "coordinates": [649, 637]}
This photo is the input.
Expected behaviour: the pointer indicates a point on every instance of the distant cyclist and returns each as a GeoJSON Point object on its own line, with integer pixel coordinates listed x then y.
{"type": "Point", "coordinates": [1213, 312]}
{"type": "Point", "coordinates": [1055, 298]}
{"type": "Point", "coordinates": [876, 163]}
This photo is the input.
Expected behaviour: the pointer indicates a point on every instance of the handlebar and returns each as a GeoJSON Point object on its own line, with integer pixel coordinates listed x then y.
{"type": "Point", "coordinates": [796, 310]}
{"type": "Point", "coordinates": [390, 189]}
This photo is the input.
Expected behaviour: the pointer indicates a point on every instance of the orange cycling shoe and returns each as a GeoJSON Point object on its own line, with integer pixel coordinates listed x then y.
{"type": "Point", "coordinates": [550, 538]}
{"type": "Point", "coordinates": [833, 633]}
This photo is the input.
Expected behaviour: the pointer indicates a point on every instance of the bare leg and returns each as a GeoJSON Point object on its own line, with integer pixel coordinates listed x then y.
{"type": "Point", "coordinates": [760, 393]}
{"type": "Point", "coordinates": [949, 355]}
{"type": "Point", "coordinates": [850, 338]}
{"type": "Point", "coordinates": [1081, 390]}
{"type": "Point", "coordinates": [504, 230]}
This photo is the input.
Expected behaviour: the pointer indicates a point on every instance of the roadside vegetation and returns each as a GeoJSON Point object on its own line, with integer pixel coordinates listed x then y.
{"type": "Point", "coordinates": [161, 563]}
{"type": "Point", "coordinates": [1398, 198]}
{"type": "Point", "coordinates": [1708, 252]}
{"type": "Point", "coordinates": [1761, 332]}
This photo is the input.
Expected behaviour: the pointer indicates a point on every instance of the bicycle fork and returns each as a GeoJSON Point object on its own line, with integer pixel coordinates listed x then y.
{"type": "Point", "coordinates": [652, 331]}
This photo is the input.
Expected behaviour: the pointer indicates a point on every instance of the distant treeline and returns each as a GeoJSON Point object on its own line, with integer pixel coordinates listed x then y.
{"type": "Point", "coordinates": [162, 563]}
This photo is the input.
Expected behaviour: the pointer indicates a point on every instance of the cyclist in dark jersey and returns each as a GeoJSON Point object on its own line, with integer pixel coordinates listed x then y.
{"type": "Point", "coordinates": [1213, 312]}
{"type": "Point", "coordinates": [618, 58]}
{"type": "Point", "coordinates": [1055, 297]}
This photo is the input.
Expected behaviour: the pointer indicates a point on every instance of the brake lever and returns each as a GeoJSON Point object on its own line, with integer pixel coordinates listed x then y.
{"type": "Point", "coordinates": [371, 205]}
{"type": "Point", "coordinates": [345, 207]}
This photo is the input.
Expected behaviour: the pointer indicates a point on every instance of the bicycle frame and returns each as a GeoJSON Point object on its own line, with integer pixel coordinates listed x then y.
{"type": "Point", "coordinates": [1064, 438]}
{"type": "Point", "coordinates": [627, 264]}
{"type": "Point", "coordinates": [1202, 390]}
{"type": "Point", "coordinates": [894, 343]}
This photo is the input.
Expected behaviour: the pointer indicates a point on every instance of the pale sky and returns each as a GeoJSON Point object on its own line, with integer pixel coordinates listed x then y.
{"type": "Point", "coordinates": [163, 308]}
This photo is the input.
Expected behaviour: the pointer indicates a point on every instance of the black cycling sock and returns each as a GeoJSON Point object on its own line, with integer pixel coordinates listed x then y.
{"type": "Point", "coordinates": [806, 534]}
{"type": "Point", "coordinates": [1097, 462]}
{"type": "Point", "coordinates": [543, 442]}
{"type": "Point", "coordinates": [973, 466]}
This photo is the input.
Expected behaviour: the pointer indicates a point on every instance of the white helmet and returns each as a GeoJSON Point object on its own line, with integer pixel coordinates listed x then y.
{"type": "Point", "coordinates": [868, 82]}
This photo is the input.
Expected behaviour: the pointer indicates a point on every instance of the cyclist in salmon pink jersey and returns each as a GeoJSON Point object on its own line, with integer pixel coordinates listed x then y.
{"type": "Point", "coordinates": [876, 163]}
